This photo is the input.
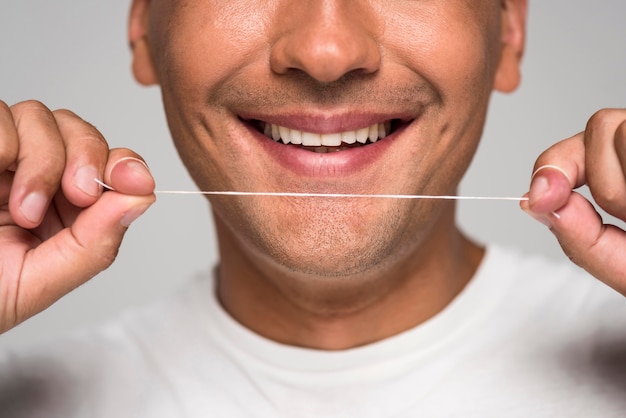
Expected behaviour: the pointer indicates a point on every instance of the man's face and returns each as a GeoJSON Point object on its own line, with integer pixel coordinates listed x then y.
{"type": "Point", "coordinates": [241, 77]}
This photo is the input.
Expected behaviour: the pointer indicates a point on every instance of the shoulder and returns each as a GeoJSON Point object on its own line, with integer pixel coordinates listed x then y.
{"type": "Point", "coordinates": [551, 331]}
{"type": "Point", "coordinates": [563, 309]}
{"type": "Point", "coordinates": [109, 369]}
{"type": "Point", "coordinates": [550, 299]}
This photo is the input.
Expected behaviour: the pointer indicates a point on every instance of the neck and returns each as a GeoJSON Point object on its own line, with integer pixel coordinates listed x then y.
{"type": "Point", "coordinates": [341, 313]}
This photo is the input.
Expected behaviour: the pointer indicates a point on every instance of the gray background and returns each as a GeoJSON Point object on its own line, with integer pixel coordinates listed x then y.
{"type": "Point", "coordinates": [73, 54]}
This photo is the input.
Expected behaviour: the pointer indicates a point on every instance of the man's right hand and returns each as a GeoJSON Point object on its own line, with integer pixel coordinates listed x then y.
{"type": "Point", "coordinates": [57, 227]}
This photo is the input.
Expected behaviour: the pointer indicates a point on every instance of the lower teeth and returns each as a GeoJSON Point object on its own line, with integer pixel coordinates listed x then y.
{"type": "Point", "coordinates": [325, 150]}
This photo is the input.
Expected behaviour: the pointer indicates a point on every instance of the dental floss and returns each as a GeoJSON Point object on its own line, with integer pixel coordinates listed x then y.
{"type": "Point", "coordinates": [328, 195]}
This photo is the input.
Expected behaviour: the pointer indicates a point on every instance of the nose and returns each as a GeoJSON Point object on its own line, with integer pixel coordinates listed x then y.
{"type": "Point", "coordinates": [325, 39]}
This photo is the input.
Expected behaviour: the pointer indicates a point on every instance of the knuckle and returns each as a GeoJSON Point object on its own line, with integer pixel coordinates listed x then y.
{"type": "Point", "coordinates": [608, 197]}
{"type": "Point", "coordinates": [603, 118]}
{"type": "Point", "coordinates": [601, 115]}
{"type": "Point", "coordinates": [611, 200]}
{"type": "Point", "coordinates": [32, 109]}
{"type": "Point", "coordinates": [82, 130]}
{"type": "Point", "coordinates": [29, 106]}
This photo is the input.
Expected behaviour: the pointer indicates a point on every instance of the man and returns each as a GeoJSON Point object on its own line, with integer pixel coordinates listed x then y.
{"type": "Point", "coordinates": [327, 307]}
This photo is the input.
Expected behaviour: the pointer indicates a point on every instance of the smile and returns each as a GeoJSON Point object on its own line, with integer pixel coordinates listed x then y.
{"type": "Point", "coordinates": [327, 142]}
{"type": "Point", "coordinates": [328, 147]}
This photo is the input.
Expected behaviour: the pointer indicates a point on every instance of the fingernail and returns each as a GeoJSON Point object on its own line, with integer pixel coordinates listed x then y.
{"type": "Point", "coordinates": [538, 187]}
{"type": "Point", "coordinates": [84, 180]}
{"type": "Point", "coordinates": [33, 207]}
{"type": "Point", "coordinates": [131, 215]}
{"type": "Point", "coordinates": [137, 166]}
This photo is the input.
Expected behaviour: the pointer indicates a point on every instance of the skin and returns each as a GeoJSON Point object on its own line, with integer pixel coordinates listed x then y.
{"type": "Point", "coordinates": [596, 158]}
{"type": "Point", "coordinates": [57, 229]}
{"type": "Point", "coordinates": [326, 273]}
{"type": "Point", "coordinates": [320, 273]}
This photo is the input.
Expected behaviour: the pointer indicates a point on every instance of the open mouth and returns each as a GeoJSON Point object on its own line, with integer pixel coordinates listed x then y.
{"type": "Point", "coordinates": [332, 142]}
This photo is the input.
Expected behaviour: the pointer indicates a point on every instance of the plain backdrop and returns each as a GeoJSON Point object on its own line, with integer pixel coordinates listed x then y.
{"type": "Point", "coordinates": [73, 54]}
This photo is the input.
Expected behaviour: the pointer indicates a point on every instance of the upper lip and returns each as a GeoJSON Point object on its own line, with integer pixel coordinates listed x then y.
{"type": "Point", "coordinates": [327, 123]}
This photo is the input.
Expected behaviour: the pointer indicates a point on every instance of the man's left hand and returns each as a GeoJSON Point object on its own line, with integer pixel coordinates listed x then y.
{"type": "Point", "coordinates": [596, 158]}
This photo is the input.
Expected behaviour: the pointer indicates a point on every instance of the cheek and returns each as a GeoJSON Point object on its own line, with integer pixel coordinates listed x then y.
{"type": "Point", "coordinates": [453, 47]}
{"type": "Point", "coordinates": [197, 47]}
{"type": "Point", "coordinates": [206, 42]}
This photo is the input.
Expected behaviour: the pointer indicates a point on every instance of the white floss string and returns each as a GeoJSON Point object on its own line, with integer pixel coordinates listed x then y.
{"type": "Point", "coordinates": [329, 195]}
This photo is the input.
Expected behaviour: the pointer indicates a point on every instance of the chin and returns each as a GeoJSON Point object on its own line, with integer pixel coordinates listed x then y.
{"type": "Point", "coordinates": [335, 249]}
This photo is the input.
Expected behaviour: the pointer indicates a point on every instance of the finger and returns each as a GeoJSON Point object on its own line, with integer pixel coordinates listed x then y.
{"type": "Point", "coordinates": [86, 156]}
{"type": "Point", "coordinates": [604, 171]}
{"type": "Point", "coordinates": [60, 214]}
{"type": "Point", "coordinates": [557, 171]}
{"type": "Point", "coordinates": [8, 138]}
{"type": "Point", "coordinates": [40, 163]}
{"type": "Point", "coordinates": [620, 144]}
{"type": "Point", "coordinates": [128, 173]}
{"type": "Point", "coordinates": [75, 254]}
{"type": "Point", "coordinates": [6, 180]}
{"type": "Point", "coordinates": [596, 247]}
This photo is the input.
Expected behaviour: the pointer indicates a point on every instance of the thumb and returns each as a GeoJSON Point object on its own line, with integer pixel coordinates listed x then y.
{"type": "Point", "coordinates": [597, 247]}
{"type": "Point", "coordinates": [584, 238]}
{"type": "Point", "coordinates": [79, 252]}
{"type": "Point", "coordinates": [127, 173]}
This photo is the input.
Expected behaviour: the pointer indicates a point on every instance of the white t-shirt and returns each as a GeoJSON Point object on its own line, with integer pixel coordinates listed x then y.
{"type": "Point", "coordinates": [526, 338]}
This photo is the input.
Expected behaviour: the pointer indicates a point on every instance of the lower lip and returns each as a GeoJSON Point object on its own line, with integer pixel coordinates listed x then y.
{"type": "Point", "coordinates": [332, 164]}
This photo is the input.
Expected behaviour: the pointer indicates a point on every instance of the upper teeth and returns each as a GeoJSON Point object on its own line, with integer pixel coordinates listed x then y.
{"type": "Point", "coordinates": [309, 139]}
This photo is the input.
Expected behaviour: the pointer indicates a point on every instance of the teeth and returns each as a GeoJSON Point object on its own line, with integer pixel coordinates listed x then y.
{"type": "Point", "coordinates": [348, 137]}
{"type": "Point", "coordinates": [373, 134]}
{"type": "Point", "coordinates": [285, 134]}
{"type": "Point", "coordinates": [331, 140]}
{"type": "Point", "coordinates": [382, 132]}
{"type": "Point", "coordinates": [309, 139]}
{"type": "Point", "coordinates": [362, 135]}
{"type": "Point", "coordinates": [275, 133]}
{"type": "Point", "coordinates": [296, 137]}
